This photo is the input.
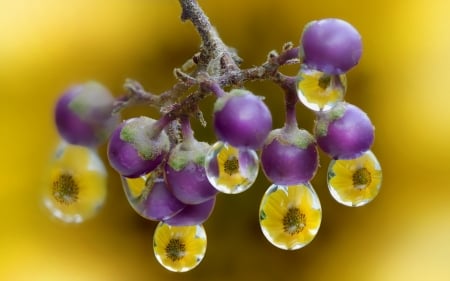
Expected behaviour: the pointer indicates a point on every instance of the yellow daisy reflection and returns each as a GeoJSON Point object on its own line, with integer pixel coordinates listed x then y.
{"type": "Point", "coordinates": [135, 187]}
{"type": "Point", "coordinates": [290, 216]}
{"type": "Point", "coordinates": [77, 186]}
{"type": "Point", "coordinates": [179, 248]}
{"type": "Point", "coordinates": [231, 170]}
{"type": "Point", "coordinates": [355, 182]}
{"type": "Point", "coordinates": [319, 91]}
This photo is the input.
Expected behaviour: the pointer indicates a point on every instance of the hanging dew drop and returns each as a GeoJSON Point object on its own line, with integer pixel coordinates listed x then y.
{"type": "Point", "coordinates": [355, 182]}
{"type": "Point", "coordinates": [76, 186]}
{"type": "Point", "coordinates": [179, 248]}
{"type": "Point", "coordinates": [319, 91]}
{"type": "Point", "coordinates": [290, 216]}
{"type": "Point", "coordinates": [231, 170]}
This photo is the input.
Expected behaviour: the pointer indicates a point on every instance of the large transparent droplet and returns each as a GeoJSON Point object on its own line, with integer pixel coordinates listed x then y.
{"type": "Point", "coordinates": [229, 169]}
{"type": "Point", "coordinates": [179, 248]}
{"type": "Point", "coordinates": [290, 216]}
{"type": "Point", "coordinates": [75, 188]}
{"type": "Point", "coordinates": [149, 196]}
{"type": "Point", "coordinates": [355, 182]}
{"type": "Point", "coordinates": [319, 91]}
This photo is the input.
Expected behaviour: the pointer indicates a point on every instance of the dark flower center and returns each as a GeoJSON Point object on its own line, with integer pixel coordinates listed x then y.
{"type": "Point", "coordinates": [361, 178]}
{"type": "Point", "coordinates": [324, 81]}
{"type": "Point", "coordinates": [294, 221]}
{"type": "Point", "coordinates": [175, 249]}
{"type": "Point", "coordinates": [231, 165]}
{"type": "Point", "coordinates": [65, 189]}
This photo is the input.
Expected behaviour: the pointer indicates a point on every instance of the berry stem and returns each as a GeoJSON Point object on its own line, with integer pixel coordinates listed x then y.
{"type": "Point", "coordinates": [187, 132]}
{"type": "Point", "coordinates": [290, 99]}
{"type": "Point", "coordinates": [216, 68]}
{"type": "Point", "coordinates": [288, 84]}
{"type": "Point", "coordinates": [157, 127]}
{"type": "Point", "coordinates": [209, 85]}
{"type": "Point", "coordinates": [212, 45]}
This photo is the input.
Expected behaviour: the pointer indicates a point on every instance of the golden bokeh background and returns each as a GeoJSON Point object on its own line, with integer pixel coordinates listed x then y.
{"type": "Point", "coordinates": [402, 82]}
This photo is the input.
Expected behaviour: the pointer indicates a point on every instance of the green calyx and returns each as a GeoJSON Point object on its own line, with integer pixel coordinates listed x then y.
{"type": "Point", "coordinates": [92, 96]}
{"type": "Point", "coordinates": [180, 157]}
{"type": "Point", "coordinates": [221, 101]}
{"type": "Point", "coordinates": [292, 136]}
{"type": "Point", "coordinates": [136, 132]}
{"type": "Point", "coordinates": [325, 118]}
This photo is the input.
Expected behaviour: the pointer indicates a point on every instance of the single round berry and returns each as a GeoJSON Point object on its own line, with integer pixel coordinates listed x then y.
{"type": "Point", "coordinates": [134, 149]}
{"type": "Point", "coordinates": [83, 114]}
{"type": "Point", "coordinates": [330, 45]}
{"type": "Point", "coordinates": [151, 198]}
{"type": "Point", "coordinates": [193, 214]}
{"type": "Point", "coordinates": [242, 119]}
{"type": "Point", "coordinates": [185, 173]}
{"type": "Point", "coordinates": [344, 132]}
{"type": "Point", "coordinates": [289, 156]}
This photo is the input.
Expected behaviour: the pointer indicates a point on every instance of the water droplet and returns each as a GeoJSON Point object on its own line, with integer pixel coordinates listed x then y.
{"type": "Point", "coordinates": [319, 91]}
{"type": "Point", "coordinates": [179, 248]}
{"type": "Point", "coordinates": [231, 170]}
{"type": "Point", "coordinates": [75, 189]}
{"type": "Point", "coordinates": [290, 216]}
{"type": "Point", "coordinates": [355, 182]}
{"type": "Point", "coordinates": [149, 196]}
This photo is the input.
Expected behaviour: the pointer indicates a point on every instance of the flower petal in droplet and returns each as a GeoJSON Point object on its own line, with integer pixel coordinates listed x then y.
{"type": "Point", "coordinates": [342, 180]}
{"type": "Point", "coordinates": [179, 248]}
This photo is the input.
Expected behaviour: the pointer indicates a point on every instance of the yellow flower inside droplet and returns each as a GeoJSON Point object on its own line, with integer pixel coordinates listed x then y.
{"type": "Point", "coordinates": [321, 89]}
{"type": "Point", "coordinates": [77, 184]}
{"type": "Point", "coordinates": [290, 216]}
{"type": "Point", "coordinates": [355, 182]}
{"type": "Point", "coordinates": [179, 248]}
{"type": "Point", "coordinates": [230, 176]}
{"type": "Point", "coordinates": [136, 186]}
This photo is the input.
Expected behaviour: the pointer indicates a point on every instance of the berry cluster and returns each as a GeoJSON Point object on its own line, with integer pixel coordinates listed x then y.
{"type": "Point", "coordinates": [171, 177]}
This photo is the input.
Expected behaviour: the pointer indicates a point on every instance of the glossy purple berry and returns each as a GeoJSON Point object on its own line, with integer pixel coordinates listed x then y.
{"type": "Point", "coordinates": [344, 132]}
{"type": "Point", "coordinates": [242, 119]}
{"type": "Point", "coordinates": [83, 114]}
{"type": "Point", "coordinates": [186, 175]}
{"type": "Point", "coordinates": [193, 214]}
{"type": "Point", "coordinates": [330, 45]}
{"type": "Point", "coordinates": [133, 150]}
{"type": "Point", "coordinates": [289, 156]}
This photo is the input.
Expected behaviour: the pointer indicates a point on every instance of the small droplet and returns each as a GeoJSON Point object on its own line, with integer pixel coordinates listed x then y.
{"type": "Point", "coordinates": [355, 182]}
{"type": "Point", "coordinates": [290, 216]}
{"type": "Point", "coordinates": [179, 248]}
{"type": "Point", "coordinates": [231, 170]}
{"type": "Point", "coordinates": [319, 91]}
{"type": "Point", "coordinates": [76, 186]}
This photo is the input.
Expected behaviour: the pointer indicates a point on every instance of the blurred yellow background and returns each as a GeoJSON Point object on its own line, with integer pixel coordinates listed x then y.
{"type": "Point", "coordinates": [402, 82]}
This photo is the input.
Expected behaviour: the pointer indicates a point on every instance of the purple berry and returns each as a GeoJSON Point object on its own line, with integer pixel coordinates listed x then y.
{"type": "Point", "coordinates": [289, 156]}
{"type": "Point", "coordinates": [193, 214]}
{"type": "Point", "coordinates": [133, 150]}
{"type": "Point", "coordinates": [83, 114]}
{"type": "Point", "coordinates": [344, 132]}
{"type": "Point", "coordinates": [331, 45]}
{"type": "Point", "coordinates": [155, 202]}
{"type": "Point", "coordinates": [242, 119]}
{"type": "Point", "coordinates": [185, 173]}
